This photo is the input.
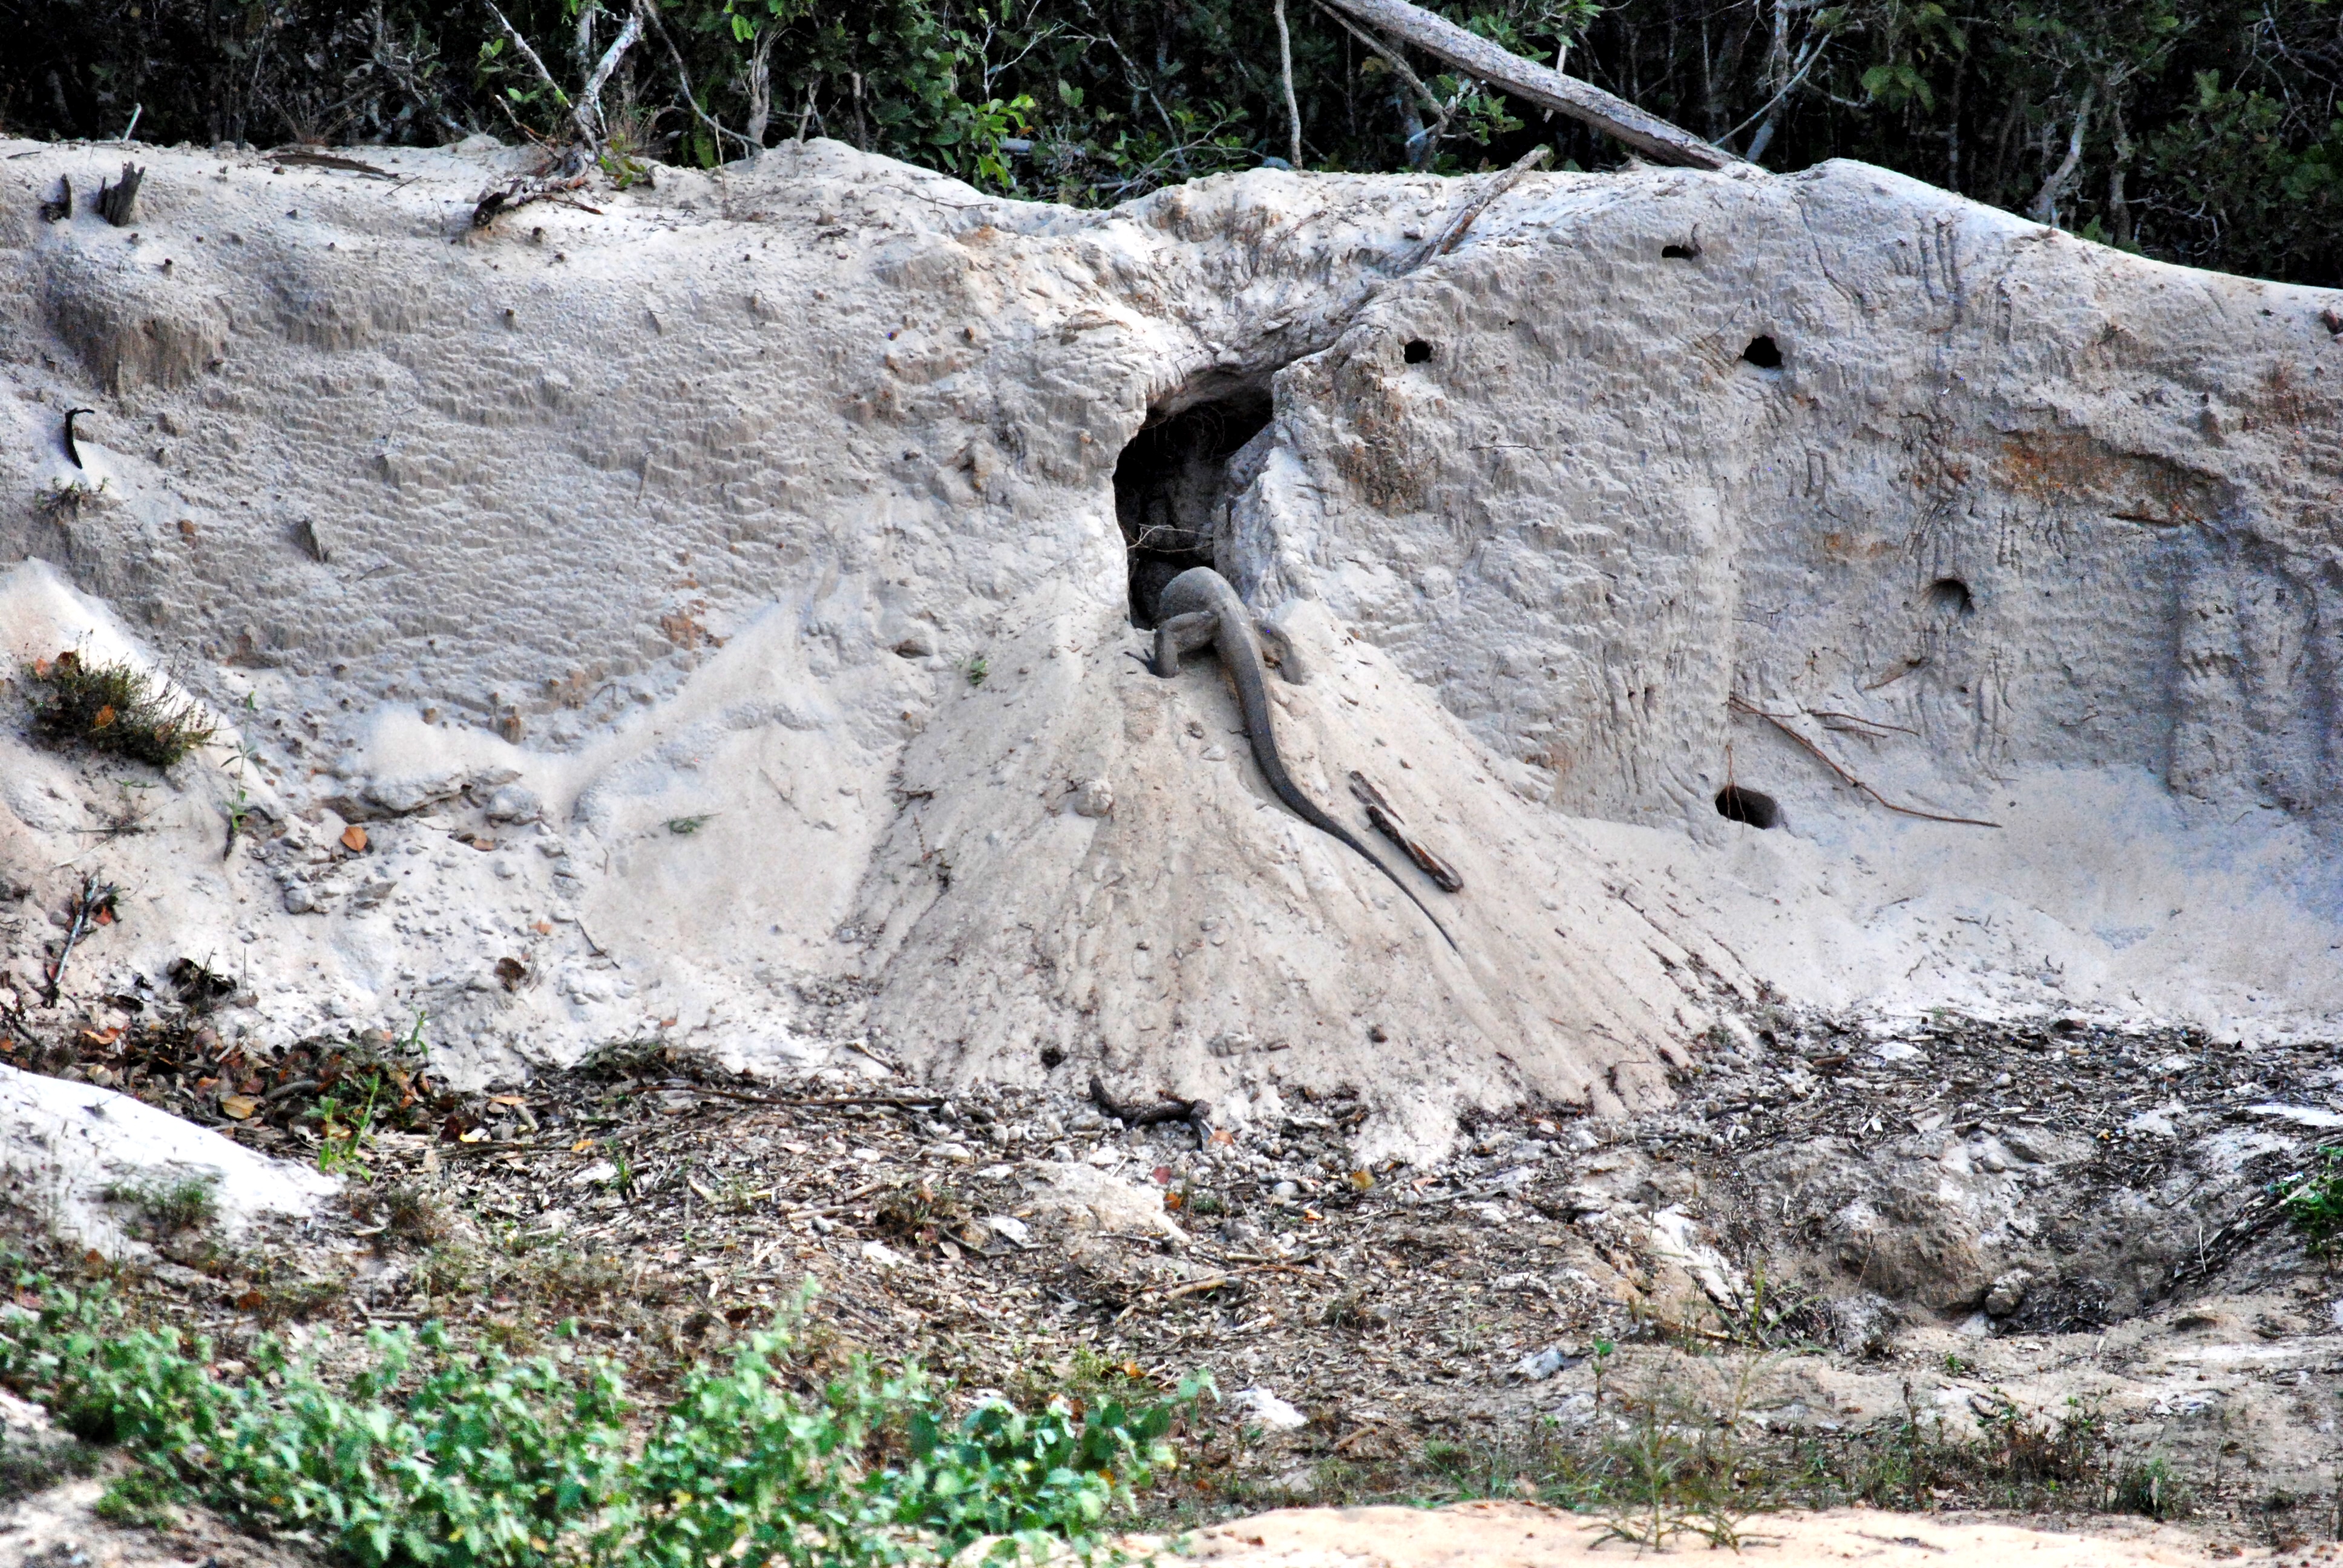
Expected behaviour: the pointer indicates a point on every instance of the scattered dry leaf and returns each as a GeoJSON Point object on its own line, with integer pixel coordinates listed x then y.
{"type": "Point", "coordinates": [354, 838]}
{"type": "Point", "coordinates": [239, 1107]}
{"type": "Point", "coordinates": [105, 717]}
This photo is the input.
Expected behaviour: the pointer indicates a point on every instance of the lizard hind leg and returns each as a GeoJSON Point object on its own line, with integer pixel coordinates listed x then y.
{"type": "Point", "coordinates": [1182, 635]}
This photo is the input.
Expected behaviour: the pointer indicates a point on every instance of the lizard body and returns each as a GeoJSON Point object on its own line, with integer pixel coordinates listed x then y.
{"type": "Point", "coordinates": [1199, 609]}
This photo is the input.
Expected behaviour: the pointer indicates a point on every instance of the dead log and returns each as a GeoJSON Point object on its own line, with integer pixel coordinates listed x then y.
{"type": "Point", "coordinates": [1475, 56]}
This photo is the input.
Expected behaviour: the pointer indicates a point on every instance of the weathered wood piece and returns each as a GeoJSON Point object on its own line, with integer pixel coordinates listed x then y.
{"type": "Point", "coordinates": [118, 203]}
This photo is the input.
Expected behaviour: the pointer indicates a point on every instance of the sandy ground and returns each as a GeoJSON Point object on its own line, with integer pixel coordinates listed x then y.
{"type": "Point", "coordinates": [1523, 1535]}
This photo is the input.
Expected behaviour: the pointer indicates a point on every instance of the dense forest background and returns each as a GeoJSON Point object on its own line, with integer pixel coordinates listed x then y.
{"type": "Point", "coordinates": [2204, 131]}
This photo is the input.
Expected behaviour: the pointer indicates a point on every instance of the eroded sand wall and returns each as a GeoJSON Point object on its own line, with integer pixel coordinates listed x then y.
{"type": "Point", "coordinates": [656, 550]}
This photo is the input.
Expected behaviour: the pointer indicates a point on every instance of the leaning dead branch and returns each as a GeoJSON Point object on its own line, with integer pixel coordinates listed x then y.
{"type": "Point", "coordinates": [1387, 821]}
{"type": "Point", "coordinates": [1450, 238]}
{"type": "Point", "coordinates": [1475, 56]}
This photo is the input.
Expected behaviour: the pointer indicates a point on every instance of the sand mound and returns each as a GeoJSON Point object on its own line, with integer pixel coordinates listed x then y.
{"type": "Point", "coordinates": [714, 607]}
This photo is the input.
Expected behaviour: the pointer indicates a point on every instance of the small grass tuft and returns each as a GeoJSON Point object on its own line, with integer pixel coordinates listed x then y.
{"type": "Point", "coordinates": [170, 1207]}
{"type": "Point", "coordinates": [111, 708]}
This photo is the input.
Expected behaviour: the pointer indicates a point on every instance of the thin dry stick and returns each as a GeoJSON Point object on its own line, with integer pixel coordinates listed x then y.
{"type": "Point", "coordinates": [715, 128]}
{"type": "Point", "coordinates": [521, 46]}
{"type": "Point", "coordinates": [1286, 66]}
{"type": "Point", "coordinates": [1454, 235]}
{"type": "Point", "coordinates": [1778, 722]}
{"type": "Point", "coordinates": [1389, 56]}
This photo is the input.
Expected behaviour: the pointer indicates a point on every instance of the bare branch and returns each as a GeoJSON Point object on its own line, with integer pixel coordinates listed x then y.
{"type": "Point", "coordinates": [589, 102]}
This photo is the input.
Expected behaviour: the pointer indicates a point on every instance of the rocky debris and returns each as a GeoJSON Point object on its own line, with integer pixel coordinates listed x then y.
{"type": "Point", "coordinates": [1022, 1240]}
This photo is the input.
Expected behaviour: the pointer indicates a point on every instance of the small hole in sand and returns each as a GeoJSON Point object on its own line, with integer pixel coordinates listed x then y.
{"type": "Point", "coordinates": [1051, 1056]}
{"type": "Point", "coordinates": [1950, 597]}
{"type": "Point", "coordinates": [1753, 806]}
{"type": "Point", "coordinates": [1764, 353]}
{"type": "Point", "coordinates": [1416, 352]}
{"type": "Point", "coordinates": [1680, 252]}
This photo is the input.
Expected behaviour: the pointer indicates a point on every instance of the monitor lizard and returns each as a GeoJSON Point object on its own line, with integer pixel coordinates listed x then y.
{"type": "Point", "coordinates": [1199, 609]}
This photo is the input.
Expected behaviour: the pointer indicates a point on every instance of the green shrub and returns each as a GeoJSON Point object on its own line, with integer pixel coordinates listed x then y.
{"type": "Point", "coordinates": [111, 708]}
{"type": "Point", "coordinates": [433, 1457]}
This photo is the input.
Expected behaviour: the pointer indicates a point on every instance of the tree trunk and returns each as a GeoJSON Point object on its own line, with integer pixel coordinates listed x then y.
{"type": "Point", "coordinates": [1475, 56]}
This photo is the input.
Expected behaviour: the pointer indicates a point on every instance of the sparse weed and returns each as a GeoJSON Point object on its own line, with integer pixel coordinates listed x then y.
{"type": "Point", "coordinates": [170, 1207]}
{"type": "Point", "coordinates": [112, 707]}
{"type": "Point", "coordinates": [2151, 1486]}
{"type": "Point", "coordinates": [976, 670]}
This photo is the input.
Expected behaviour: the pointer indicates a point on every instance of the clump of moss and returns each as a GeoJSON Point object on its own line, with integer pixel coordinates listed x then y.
{"type": "Point", "coordinates": [111, 708]}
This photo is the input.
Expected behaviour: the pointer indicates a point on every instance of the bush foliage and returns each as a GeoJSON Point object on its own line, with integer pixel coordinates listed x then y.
{"type": "Point", "coordinates": [2208, 131]}
{"type": "Point", "coordinates": [112, 707]}
{"type": "Point", "coordinates": [434, 1457]}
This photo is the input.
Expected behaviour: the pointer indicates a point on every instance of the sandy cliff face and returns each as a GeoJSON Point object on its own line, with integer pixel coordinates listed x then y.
{"type": "Point", "coordinates": [716, 608]}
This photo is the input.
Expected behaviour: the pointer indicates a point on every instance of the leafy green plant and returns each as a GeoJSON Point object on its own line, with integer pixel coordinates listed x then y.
{"type": "Point", "coordinates": [433, 1457]}
{"type": "Point", "coordinates": [2312, 1203]}
{"type": "Point", "coordinates": [345, 1129]}
{"type": "Point", "coordinates": [111, 708]}
{"type": "Point", "coordinates": [976, 670]}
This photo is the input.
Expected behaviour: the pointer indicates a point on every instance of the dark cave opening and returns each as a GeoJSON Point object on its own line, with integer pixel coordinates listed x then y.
{"type": "Point", "coordinates": [1171, 489]}
{"type": "Point", "coordinates": [1754, 807]}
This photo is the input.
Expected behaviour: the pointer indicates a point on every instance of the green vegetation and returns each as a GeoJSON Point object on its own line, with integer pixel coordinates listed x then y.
{"type": "Point", "coordinates": [2313, 1204]}
{"type": "Point", "coordinates": [2209, 132]}
{"type": "Point", "coordinates": [434, 1457]}
{"type": "Point", "coordinates": [111, 708]}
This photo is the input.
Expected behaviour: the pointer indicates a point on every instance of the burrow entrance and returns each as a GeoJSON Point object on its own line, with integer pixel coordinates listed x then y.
{"type": "Point", "coordinates": [1171, 489]}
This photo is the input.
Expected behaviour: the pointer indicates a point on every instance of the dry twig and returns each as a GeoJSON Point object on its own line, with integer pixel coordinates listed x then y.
{"type": "Point", "coordinates": [1824, 758]}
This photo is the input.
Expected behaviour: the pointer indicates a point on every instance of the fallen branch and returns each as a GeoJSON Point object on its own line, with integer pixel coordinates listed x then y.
{"type": "Point", "coordinates": [1542, 86]}
{"type": "Point", "coordinates": [1386, 821]}
{"type": "Point", "coordinates": [904, 1101]}
{"type": "Point", "coordinates": [90, 903]}
{"type": "Point", "coordinates": [72, 445]}
{"type": "Point", "coordinates": [1782, 724]}
{"type": "Point", "coordinates": [331, 161]}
